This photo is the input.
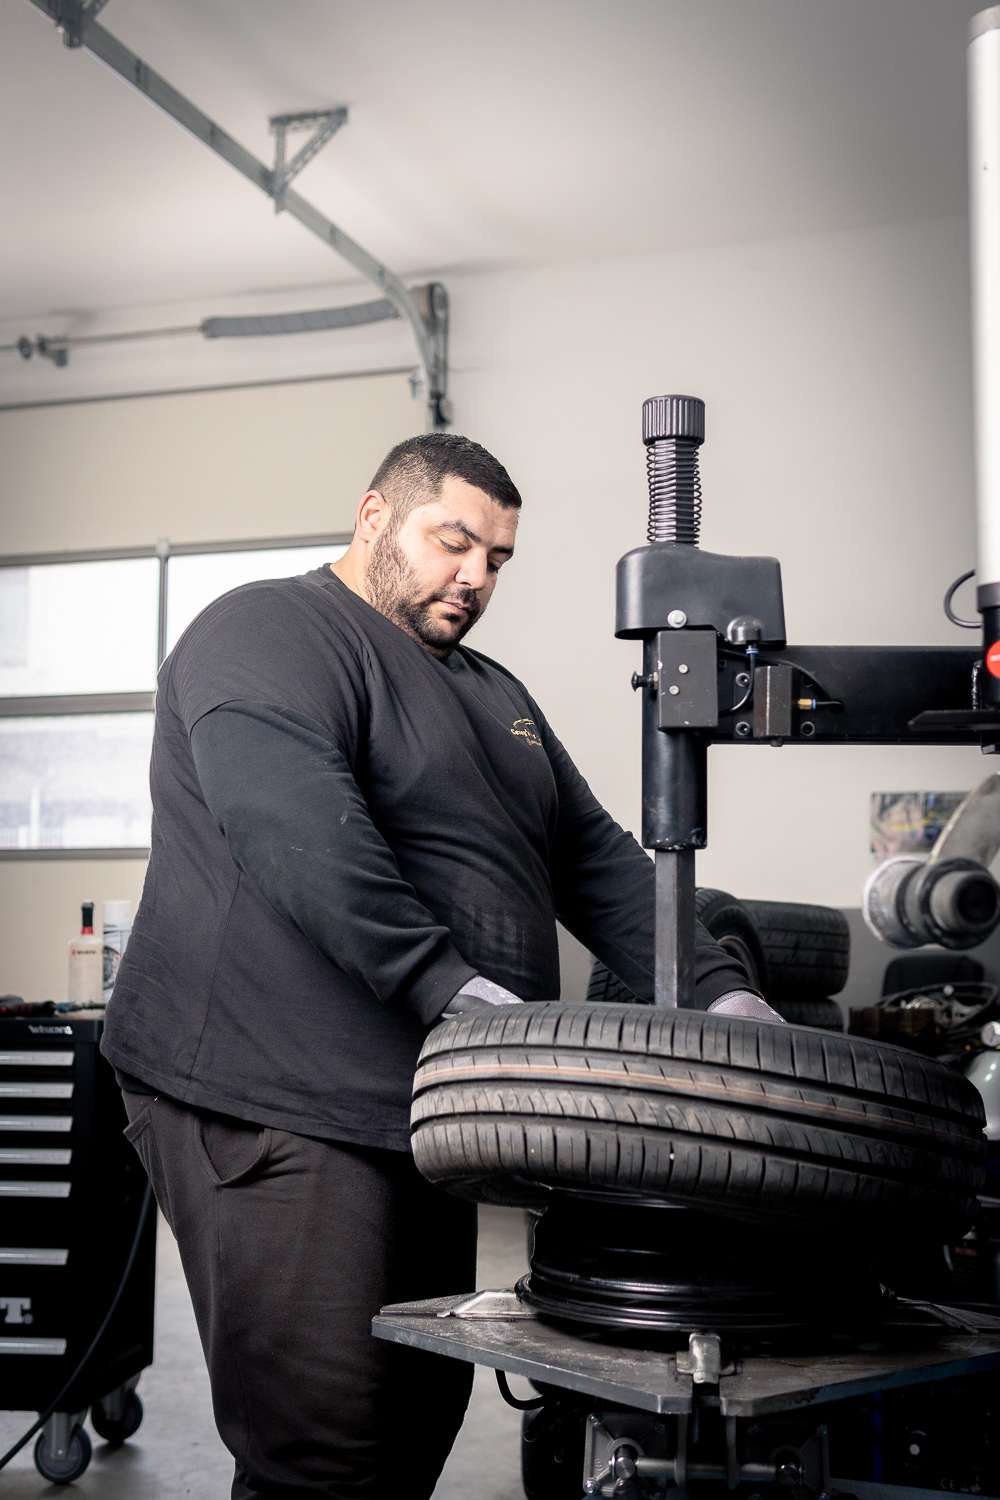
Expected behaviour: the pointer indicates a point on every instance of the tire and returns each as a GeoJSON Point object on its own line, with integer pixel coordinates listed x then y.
{"type": "Point", "coordinates": [74, 1462]}
{"type": "Point", "coordinates": [685, 1107]}
{"type": "Point", "coordinates": [606, 989]}
{"type": "Point", "coordinates": [118, 1430]}
{"type": "Point", "coordinates": [826, 1015]}
{"type": "Point", "coordinates": [806, 949]}
{"type": "Point", "coordinates": [730, 923]}
{"type": "Point", "coordinates": [726, 919]}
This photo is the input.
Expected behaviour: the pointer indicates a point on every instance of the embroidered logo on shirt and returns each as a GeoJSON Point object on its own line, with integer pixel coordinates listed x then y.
{"type": "Point", "coordinates": [525, 729]}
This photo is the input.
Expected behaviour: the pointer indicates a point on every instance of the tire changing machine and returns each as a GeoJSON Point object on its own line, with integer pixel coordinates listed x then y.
{"type": "Point", "coordinates": [647, 1395]}
{"type": "Point", "coordinates": [660, 1370]}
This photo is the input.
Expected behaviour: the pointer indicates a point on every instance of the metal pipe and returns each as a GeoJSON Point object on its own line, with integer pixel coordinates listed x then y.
{"type": "Point", "coordinates": [666, 1468]}
{"type": "Point", "coordinates": [204, 390]}
{"type": "Point", "coordinates": [984, 223]}
{"type": "Point", "coordinates": [673, 970]}
{"type": "Point", "coordinates": [135, 335]}
{"type": "Point", "coordinates": [260, 325]}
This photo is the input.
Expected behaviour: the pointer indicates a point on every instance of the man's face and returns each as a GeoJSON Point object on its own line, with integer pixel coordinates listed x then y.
{"type": "Point", "coordinates": [434, 574]}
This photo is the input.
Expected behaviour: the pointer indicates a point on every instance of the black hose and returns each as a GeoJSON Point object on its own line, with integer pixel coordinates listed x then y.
{"type": "Point", "coordinates": [513, 1400]}
{"type": "Point", "coordinates": [949, 596]}
{"type": "Point", "coordinates": [751, 659]}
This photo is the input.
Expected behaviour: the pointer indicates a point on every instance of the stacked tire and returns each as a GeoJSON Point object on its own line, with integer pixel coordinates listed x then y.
{"type": "Point", "coordinates": [807, 951]}
{"type": "Point", "coordinates": [796, 955]}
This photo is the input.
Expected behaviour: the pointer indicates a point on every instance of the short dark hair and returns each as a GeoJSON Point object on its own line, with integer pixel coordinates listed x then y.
{"type": "Point", "coordinates": [413, 472]}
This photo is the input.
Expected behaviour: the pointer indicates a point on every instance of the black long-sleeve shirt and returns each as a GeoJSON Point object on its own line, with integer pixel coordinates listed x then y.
{"type": "Point", "coordinates": [345, 830]}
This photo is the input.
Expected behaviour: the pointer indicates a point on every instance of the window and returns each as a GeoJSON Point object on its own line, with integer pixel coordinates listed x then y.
{"type": "Point", "coordinates": [78, 627]}
{"type": "Point", "coordinates": [81, 638]}
{"type": "Point", "coordinates": [196, 578]}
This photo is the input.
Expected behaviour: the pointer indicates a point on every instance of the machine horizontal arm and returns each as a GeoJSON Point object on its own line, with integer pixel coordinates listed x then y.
{"type": "Point", "coordinates": [861, 695]}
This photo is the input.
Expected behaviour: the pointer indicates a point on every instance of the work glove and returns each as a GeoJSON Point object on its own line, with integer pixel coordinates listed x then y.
{"type": "Point", "coordinates": [743, 1003]}
{"type": "Point", "coordinates": [478, 995]}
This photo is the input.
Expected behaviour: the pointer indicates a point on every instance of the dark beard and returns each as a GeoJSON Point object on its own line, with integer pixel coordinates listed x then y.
{"type": "Point", "coordinates": [392, 588]}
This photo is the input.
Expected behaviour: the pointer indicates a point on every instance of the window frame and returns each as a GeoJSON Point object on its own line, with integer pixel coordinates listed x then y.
{"type": "Point", "coordinates": [63, 705]}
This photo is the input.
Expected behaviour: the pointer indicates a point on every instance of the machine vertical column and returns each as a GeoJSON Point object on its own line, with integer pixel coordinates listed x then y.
{"type": "Point", "coordinates": [674, 819]}
{"type": "Point", "coordinates": [984, 220]}
{"type": "Point", "coordinates": [673, 977]}
{"type": "Point", "coordinates": [674, 763]}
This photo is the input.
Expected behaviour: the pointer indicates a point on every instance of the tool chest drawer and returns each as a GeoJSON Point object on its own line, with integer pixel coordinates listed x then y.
{"type": "Point", "coordinates": [71, 1191]}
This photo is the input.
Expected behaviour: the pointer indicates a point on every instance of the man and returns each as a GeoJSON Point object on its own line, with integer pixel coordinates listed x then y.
{"type": "Point", "coordinates": [358, 826]}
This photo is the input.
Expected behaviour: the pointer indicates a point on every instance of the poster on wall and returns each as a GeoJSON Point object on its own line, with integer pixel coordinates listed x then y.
{"type": "Point", "coordinates": [909, 822]}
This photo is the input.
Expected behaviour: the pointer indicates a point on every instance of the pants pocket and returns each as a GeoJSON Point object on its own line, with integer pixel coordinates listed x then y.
{"type": "Point", "coordinates": [231, 1151]}
{"type": "Point", "coordinates": [141, 1137]}
{"type": "Point", "coordinates": [139, 1116]}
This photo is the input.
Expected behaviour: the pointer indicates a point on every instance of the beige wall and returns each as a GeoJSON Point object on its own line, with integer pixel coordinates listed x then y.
{"type": "Point", "coordinates": [221, 465]}
{"type": "Point", "coordinates": [41, 912]}
{"type": "Point", "coordinates": [226, 465]}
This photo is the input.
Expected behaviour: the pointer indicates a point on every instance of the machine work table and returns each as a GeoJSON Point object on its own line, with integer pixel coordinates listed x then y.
{"type": "Point", "coordinates": [493, 1328]}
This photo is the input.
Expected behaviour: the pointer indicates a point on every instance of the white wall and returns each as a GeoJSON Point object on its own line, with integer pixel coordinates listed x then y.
{"type": "Point", "coordinates": [226, 465]}
{"type": "Point", "coordinates": [836, 373]}
{"type": "Point", "coordinates": [837, 376]}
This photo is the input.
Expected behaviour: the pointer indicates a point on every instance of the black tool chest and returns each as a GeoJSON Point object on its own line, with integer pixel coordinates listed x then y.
{"type": "Point", "coordinates": [71, 1192]}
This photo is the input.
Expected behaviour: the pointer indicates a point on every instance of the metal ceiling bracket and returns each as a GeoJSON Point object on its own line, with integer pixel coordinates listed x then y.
{"type": "Point", "coordinates": [432, 300]}
{"type": "Point", "coordinates": [326, 123]}
{"type": "Point", "coordinates": [75, 19]}
{"type": "Point", "coordinates": [75, 14]}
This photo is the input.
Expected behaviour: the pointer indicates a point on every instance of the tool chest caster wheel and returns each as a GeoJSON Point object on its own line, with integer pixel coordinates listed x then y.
{"type": "Point", "coordinates": [117, 1426]}
{"type": "Point", "coordinates": [66, 1462]}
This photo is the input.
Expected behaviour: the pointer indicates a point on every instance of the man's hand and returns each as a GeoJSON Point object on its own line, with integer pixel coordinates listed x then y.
{"type": "Point", "coordinates": [481, 996]}
{"type": "Point", "coordinates": [743, 1003]}
{"type": "Point", "coordinates": [478, 994]}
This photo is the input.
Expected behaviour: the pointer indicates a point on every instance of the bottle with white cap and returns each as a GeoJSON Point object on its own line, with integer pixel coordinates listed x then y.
{"type": "Point", "coordinates": [117, 927]}
{"type": "Point", "coordinates": [84, 983]}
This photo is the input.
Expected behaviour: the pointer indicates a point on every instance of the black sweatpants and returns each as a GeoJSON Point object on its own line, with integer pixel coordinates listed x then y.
{"type": "Point", "coordinates": [290, 1245]}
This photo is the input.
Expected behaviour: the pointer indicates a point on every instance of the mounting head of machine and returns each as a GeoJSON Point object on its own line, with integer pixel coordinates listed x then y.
{"type": "Point", "coordinates": [671, 582]}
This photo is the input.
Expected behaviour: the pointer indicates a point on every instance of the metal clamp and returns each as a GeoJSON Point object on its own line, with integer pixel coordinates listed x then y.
{"type": "Point", "coordinates": [703, 1361]}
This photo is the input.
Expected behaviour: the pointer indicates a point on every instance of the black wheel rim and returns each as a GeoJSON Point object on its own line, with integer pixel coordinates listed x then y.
{"type": "Point", "coordinates": [670, 1270]}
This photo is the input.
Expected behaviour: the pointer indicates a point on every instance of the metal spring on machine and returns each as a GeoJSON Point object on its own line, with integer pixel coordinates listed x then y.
{"type": "Point", "coordinates": [674, 492]}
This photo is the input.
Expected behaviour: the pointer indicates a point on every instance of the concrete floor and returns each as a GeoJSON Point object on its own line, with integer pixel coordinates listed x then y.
{"type": "Point", "coordinates": [177, 1451]}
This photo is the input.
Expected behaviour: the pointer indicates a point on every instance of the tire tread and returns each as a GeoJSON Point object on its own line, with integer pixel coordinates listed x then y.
{"type": "Point", "coordinates": [763, 1115]}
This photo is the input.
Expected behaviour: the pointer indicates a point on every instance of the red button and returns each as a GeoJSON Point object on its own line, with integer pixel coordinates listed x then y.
{"type": "Point", "coordinates": [993, 659]}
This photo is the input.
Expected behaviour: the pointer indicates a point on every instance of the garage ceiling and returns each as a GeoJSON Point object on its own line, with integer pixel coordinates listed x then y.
{"type": "Point", "coordinates": [481, 135]}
